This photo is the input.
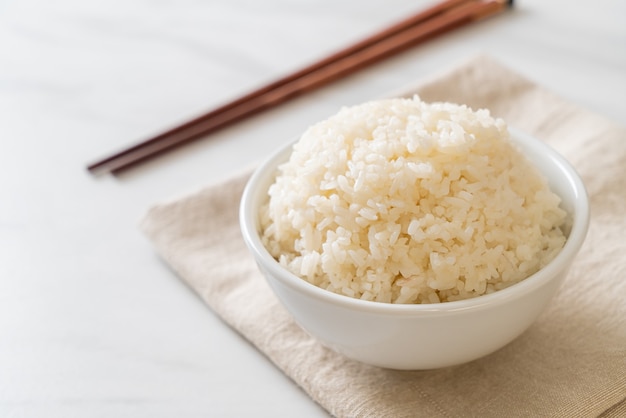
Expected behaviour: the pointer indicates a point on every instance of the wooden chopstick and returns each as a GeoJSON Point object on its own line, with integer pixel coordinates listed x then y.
{"type": "Point", "coordinates": [436, 20]}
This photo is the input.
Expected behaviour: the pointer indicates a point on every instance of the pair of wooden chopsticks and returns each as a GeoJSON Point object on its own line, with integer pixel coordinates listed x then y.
{"type": "Point", "coordinates": [438, 19]}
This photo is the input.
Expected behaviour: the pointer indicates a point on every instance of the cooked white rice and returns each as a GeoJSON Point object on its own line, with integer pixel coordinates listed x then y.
{"type": "Point", "coordinates": [408, 202]}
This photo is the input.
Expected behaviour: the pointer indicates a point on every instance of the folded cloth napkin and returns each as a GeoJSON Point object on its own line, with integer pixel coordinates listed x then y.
{"type": "Point", "coordinates": [571, 362]}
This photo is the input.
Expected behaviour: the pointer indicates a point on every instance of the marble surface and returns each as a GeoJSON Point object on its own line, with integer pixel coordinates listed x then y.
{"type": "Point", "coordinates": [92, 323]}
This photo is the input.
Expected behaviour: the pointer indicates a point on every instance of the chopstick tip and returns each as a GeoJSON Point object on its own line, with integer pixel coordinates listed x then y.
{"type": "Point", "coordinates": [506, 3]}
{"type": "Point", "coordinates": [99, 168]}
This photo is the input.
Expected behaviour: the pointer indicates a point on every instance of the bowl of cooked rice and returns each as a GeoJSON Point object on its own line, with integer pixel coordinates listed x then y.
{"type": "Point", "coordinates": [413, 235]}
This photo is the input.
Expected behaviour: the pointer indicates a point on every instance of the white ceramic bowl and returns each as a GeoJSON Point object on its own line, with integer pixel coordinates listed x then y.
{"type": "Point", "coordinates": [421, 336]}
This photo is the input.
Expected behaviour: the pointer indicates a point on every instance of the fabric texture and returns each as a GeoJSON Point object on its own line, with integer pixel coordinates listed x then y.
{"type": "Point", "coordinates": [570, 363]}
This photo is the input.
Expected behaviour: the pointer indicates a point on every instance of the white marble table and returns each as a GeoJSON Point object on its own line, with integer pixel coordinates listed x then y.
{"type": "Point", "coordinates": [92, 324]}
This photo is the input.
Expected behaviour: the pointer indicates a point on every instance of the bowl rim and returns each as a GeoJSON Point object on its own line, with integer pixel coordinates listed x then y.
{"type": "Point", "coordinates": [250, 230]}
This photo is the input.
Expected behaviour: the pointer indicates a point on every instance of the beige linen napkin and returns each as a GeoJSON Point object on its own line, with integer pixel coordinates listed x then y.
{"type": "Point", "coordinates": [571, 362]}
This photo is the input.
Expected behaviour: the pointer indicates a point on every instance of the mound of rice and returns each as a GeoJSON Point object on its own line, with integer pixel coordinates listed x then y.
{"type": "Point", "coordinates": [403, 201]}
